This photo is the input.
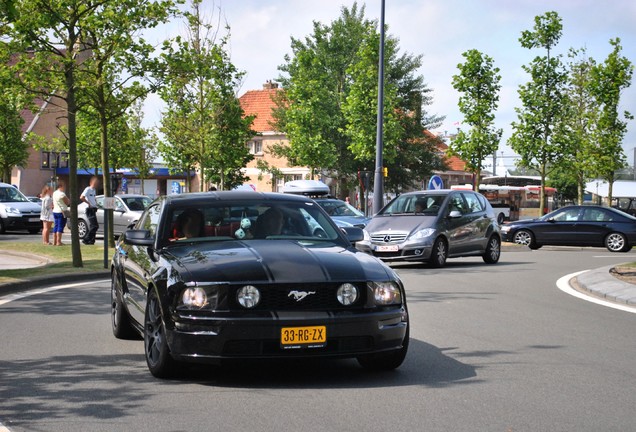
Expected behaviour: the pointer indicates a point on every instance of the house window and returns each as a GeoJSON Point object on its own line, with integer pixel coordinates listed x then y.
{"type": "Point", "coordinates": [255, 147]}
{"type": "Point", "coordinates": [46, 163]}
{"type": "Point", "coordinates": [63, 162]}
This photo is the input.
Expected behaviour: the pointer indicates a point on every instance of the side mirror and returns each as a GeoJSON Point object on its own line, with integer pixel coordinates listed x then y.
{"type": "Point", "coordinates": [454, 214]}
{"type": "Point", "coordinates": [551, 220]}
{"type": "Point", "coordinates": [354, 234]}
{"type": "Point", "coordinates": [138, 238]}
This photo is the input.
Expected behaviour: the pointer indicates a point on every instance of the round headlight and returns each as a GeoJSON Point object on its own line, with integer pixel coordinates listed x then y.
{"type": "Point", "coordinates": [194, 297]}
{"type": "Point", "coordinates": [347, 294]}
{"type": "Point", "coordinates": [386, 293]}
{"type": "Point", "coordinates": [248, 296]}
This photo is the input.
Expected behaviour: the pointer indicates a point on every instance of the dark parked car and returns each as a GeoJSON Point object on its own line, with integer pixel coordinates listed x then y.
{"type": "Point", "coordinates": [433, 226]}
{"type": "Point", "coordinates": [127, 210]}
{"type": "Point", "coordinates": [235, 275]}
{"type": "Point", "coordinates": [576, 226]}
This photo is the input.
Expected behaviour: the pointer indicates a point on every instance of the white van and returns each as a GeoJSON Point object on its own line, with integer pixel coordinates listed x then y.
{"type": "Point", "coordinates": [17, 212]}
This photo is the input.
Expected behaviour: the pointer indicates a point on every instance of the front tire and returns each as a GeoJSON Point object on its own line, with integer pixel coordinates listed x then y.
{"type": "Point", "coordinates": [120, 319]}
{"type": "Point", "coordinates": [524, 238]}
{"type": "Point", "coordinates": [82, 228]}
{"type": "Point", "coordinates": [617, 242]}
{"type": "Point", "coordinates": [386, 361]}
{"type": "Point", "coordinates": [493, 250]}
{"type": "Point", "coordinates": [160, 362]}
{"type": "Point", "coordinates": [439, 254]}
{"type": "Point", "coordinates": [501, 218]}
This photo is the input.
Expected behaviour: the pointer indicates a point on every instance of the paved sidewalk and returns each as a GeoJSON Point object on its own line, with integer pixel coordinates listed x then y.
{"type": "Point", "coordinates": [19, 260]}
{"type": "Point", "coordinates": [600, 283]}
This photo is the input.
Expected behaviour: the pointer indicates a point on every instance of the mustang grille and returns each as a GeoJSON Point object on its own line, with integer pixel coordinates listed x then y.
{"type": "Point", "coordinates": [391, 237]}
{"type": "Point", "coordinates": [323, 297]}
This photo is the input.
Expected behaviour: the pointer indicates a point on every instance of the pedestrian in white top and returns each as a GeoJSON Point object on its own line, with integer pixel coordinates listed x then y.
{"type": "Point", "coordinates": [88, 196]}
{"type": "Point", "coordinates": [60, 208]}
{"type": "Point", "coordinates": [46, 214]}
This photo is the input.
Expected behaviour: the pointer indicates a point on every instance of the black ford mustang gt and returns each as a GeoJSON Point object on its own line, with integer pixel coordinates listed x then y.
{"type": "Point", "coordinates": [214, 276]}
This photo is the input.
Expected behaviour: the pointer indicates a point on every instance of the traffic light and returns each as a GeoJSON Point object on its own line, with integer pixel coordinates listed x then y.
{"type": "Point", "coordinates": [385, 171]}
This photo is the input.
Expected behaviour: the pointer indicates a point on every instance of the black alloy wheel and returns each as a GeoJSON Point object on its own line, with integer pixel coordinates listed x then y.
{"type": "Point", "coordinates": [493, 250]}
{"type": "Point", "coordinates": [160, 362]}
{"type": "Point", "coordinates": [120, 319]}
{"type": "Point", "coordinates": [439, 254]}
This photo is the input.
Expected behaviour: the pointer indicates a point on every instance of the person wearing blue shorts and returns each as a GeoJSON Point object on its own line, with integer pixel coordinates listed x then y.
{"type": "Point", "coordinates": [60, 207]}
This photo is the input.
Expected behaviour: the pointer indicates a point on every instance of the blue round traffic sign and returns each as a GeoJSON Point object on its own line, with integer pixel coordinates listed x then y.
{"type": "Point", "coordinates": [435, 183]}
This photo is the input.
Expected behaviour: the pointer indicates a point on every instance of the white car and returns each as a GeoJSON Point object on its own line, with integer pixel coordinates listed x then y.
{"type": "Point", "coordinates": [127, 210]}
{"type": "Point", "coordinates": [17, 212]}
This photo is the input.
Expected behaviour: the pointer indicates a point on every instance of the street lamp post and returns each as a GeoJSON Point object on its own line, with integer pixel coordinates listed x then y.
{"type": "Point", "coordinates": [378, 186]}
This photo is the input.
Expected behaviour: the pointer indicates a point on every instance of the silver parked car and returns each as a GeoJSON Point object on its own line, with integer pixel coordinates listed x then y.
{"type": "Point", "coordinates": [127, 210]}
{"type": "Point", "coordinates": [433, 226]}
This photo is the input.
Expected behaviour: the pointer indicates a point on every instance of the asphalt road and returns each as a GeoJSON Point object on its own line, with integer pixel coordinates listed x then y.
{"type": "Point", "coordinates": [493, 348]}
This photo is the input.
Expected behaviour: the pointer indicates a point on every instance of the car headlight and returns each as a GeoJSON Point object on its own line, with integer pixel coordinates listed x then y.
{"type": "Point", "coordinates": [248, 296]}
{"type": "Point", "coordinates": [505, 228]}
{"type": "Point", "coordinates": [423, 233]}
{"type": "Point", "coordinates": [386, 293]}
{"type": "Point", "coordinates": [194, 298]}
{"type": "Point", "coordinates": [367, 236]}
{"type": "Point", "coordinates": [347, 294]}
{"type": "Point", "coordinates": [12, 210]}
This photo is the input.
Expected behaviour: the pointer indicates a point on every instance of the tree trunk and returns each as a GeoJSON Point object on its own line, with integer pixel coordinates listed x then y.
{"type": "Point", "coordinates": [73, 192]}
{"type": "Point", "coordinates": [610, 190]}
{"type": "Point", "coordinates": [477, 179]}
{"type": "Point", "coordinates": [580, 191]}
{"type": "Point", "coordinates": [108, 190]}
{"type": "Point", "coordinates": [542, 198]}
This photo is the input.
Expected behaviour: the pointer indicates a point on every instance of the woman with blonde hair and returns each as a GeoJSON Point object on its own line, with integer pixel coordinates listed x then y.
{"type": "Point", "coordinates": [46, 214]}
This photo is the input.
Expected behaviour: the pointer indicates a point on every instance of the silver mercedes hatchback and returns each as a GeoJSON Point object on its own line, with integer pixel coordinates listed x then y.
{"type": "Point", "coordinates": [432, 226]}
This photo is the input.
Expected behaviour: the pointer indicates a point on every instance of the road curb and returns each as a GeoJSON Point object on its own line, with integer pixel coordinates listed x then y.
{"type": "Point", "coordinates": [43, 281]}
{"type": "Point", "coordinates": [600, 283]}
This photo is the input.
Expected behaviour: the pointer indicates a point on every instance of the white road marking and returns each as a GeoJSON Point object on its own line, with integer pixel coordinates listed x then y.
{"type": "Point", "coordinates": [564, 285]}
{"type": "Point", "coordinates": [12, 297]}
{"type": "Point", "coordinates": [4, 428]}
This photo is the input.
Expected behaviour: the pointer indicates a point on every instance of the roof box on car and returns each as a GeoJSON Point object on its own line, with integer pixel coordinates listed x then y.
{"type": "Point", "coordinates": [306, 187]}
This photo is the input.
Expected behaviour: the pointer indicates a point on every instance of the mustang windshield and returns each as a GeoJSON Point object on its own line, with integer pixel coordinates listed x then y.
{"type": "Point", "coordinates": [339, 208]}
{"type": "Point", "coordinates": [415, 204]}
{"type": "Point", "coordinates": [251, 220]}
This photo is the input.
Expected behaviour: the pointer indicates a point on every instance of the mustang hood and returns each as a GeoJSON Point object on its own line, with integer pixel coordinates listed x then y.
{"type": "Point", "coordinates": [407, 223]}
{"type": "Point", "coordinates": [281, 261]}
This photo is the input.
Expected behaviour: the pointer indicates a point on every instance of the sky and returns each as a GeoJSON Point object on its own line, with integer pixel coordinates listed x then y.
{"type": "Point", "coordinates": [440, 30]}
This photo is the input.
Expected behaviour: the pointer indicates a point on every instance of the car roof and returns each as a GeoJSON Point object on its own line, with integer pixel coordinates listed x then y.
{"type": "Point", "coordinates": [235, 195]}
{"type": "Point", "coordinates": [433, 192]}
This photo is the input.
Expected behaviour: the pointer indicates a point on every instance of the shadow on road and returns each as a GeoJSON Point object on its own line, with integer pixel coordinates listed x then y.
{"type": "Point", "coordinates": [425, 365]}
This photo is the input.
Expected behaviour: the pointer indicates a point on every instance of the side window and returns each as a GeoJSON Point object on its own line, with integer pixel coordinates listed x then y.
{"type": "Point", "coordinates": [151, 219]}
{"type": "Point", "coordinates": [567, 215]}
{"type": "Point", "coordinates": [100, 202]}
{"type": "Point", "coordinates": [473, 203]}
{"type": "Point", "coordinates": [596, 215]}
{"type": "Point", "coordinates": [119, 206]}
{"type": "Point", "coordinates": [457, 203]}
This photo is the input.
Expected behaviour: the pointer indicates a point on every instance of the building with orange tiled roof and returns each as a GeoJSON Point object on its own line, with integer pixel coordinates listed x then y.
{"type": "Point", "coordinates": [260, 103]}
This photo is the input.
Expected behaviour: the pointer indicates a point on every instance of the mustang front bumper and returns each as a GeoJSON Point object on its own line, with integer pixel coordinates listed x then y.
{"type": "Point", "coordinates": [349, 334]}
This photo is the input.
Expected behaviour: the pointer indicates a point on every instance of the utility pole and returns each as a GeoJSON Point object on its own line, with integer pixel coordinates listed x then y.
{"type": "Point", "coordinates": [378, 185]}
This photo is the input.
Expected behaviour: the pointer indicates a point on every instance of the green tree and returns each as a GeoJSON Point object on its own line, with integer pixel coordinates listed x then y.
{"type": "Point", "coordinates": [46, 36]}
{"type": "Point", "coordinates": [328, 106]}
{"type": "Point", "coordinates": [581, 119]}
{"type": "Point", "coordinates": [478, 81]}
{"type": "Point", "coordinates": [609, 79]}
{"type": "Point", "coordinates": [204, 124]}
{"type": "Point", "coordinates": [13, 145]}
{"type": "Point", "coordinates": [539, 136]}
{"type": "Point", "coordinates": [110, 76]}
{"type": "Point", "coordinates": [141, 143]}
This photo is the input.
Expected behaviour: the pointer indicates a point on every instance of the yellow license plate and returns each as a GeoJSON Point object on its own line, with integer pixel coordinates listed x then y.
{"type": "Point", "coordinates": [303, 337]}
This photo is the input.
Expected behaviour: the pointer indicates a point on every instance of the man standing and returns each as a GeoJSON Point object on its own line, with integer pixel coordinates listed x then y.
{"type": "Point", "coordinates": [88, 196]}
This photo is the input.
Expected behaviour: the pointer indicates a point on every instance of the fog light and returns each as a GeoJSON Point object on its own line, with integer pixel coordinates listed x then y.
{"type": "Point", "coordinates": [248, 296]}
{"type": "Point", "coordinates": [347, 294]}
{"type": "Point", "coordinates": [418, 251]}
{"type": "Point", "coordinates": [386, 293]}
{"type": "Point", "coordinates": [194, 297]}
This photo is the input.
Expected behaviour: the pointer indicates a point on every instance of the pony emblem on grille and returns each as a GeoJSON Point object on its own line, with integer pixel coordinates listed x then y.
{"type": "Point", "coordinates": [300, 295]}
